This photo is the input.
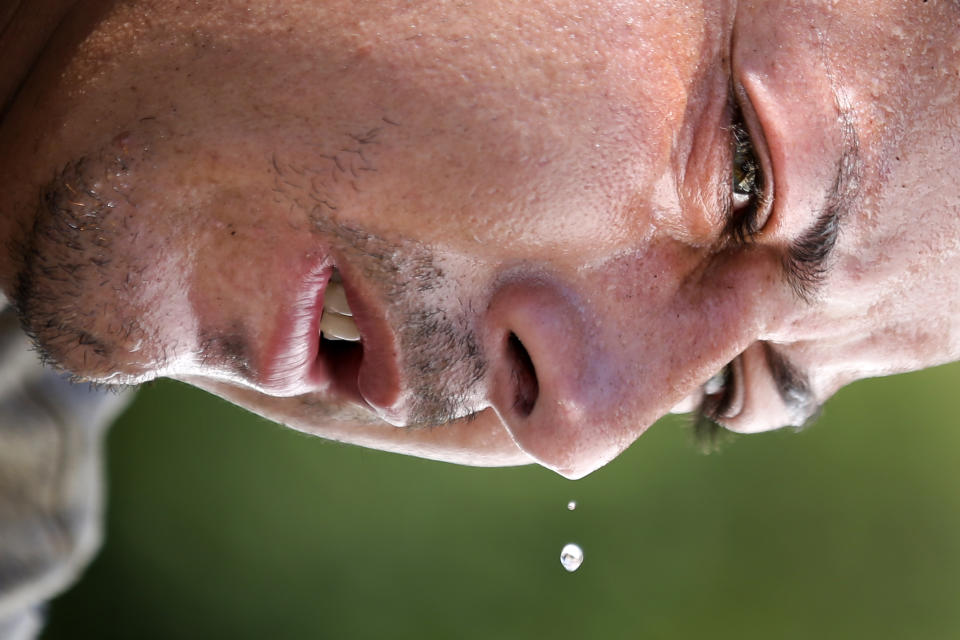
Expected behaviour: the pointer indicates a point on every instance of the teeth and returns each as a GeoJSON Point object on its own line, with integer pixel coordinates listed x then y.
{"type": "Point", "coordinates": [335, 299]}
{"type": "Point", "coordinates": [336, 322]}
{"type": "Point", "coordinates": [334, 326]}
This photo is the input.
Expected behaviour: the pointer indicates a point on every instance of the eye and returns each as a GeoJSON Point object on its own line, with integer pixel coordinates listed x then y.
{"type": "Point", "coordinates": [748, 194]}
{"type": "Point", "coordinates": [723, 394]}
{"type": "Point", "coordinates": [719, 400]}
{"type": "Point", "coordinates": [717, 393]}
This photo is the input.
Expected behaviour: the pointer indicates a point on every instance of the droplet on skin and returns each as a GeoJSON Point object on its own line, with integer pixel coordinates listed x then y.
{"type": "Point", "coordinates": [571, 505]}
{"type": "Point", "coordinates": [571, 557]}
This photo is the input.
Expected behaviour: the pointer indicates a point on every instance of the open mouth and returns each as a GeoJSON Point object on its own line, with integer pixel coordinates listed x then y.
{"type": "Point", "coordinates": [340, 350]}
{"type": "Point", "coordinates": [317, 346]}
{"type": "Point", "coordinates": [336, 319]}
{"type": "Point", "coordinates": [335, 341]}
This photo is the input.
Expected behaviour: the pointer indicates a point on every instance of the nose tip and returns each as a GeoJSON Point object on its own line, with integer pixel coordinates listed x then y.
{"type": "Point", "coordinates": [548, 382]}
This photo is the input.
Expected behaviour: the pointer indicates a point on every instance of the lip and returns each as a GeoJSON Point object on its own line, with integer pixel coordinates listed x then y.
{"type": "Point", "coordinates": [291, 363]}
{"type": "Point", "coordinates": [299, 362]}
{"type": "Point", "coordinates": [374, 377]}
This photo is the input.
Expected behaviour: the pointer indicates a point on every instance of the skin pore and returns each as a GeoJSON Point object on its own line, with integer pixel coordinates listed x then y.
{"type": "Point", "coordinates": [530, 206]}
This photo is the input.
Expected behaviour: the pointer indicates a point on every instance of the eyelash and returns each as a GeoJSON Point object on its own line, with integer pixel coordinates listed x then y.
{"type": "Point", "coordinates": [747, 197]}
{"type": "Point", "coordinates": [746, 184]}
{"type": "Point", "coordinates": [707, 429]}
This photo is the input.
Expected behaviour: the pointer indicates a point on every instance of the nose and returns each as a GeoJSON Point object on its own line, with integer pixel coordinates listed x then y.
{"type": "Point", "coordinates": [551, 384]}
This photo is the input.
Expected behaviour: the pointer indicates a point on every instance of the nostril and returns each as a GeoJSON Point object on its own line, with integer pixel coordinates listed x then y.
{"type": "Point", "coordinates": [524, 376]}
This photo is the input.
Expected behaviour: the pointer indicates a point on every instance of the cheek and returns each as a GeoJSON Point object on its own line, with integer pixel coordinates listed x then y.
{"type": "Point", "coordinates": [673, 316]}
{"type": "Point", "coordinates": [532, 188]}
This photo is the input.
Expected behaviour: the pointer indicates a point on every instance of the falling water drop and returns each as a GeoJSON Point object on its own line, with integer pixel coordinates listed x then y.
{"type": "Point", "coordinates": [571, 505]}
{"type": "Point", "coordinates": [571, 557]}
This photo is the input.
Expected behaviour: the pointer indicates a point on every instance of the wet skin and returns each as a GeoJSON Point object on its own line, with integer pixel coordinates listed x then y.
{"type": "Point", "coordinates": [530, 207]}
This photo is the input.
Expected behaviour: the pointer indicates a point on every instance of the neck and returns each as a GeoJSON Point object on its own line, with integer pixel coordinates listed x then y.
{"type": "Point", "coordinates": [26, 29]}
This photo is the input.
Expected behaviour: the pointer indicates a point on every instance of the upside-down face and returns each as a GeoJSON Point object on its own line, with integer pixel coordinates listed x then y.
{"type": "Point", "coordinates": [494, 233]}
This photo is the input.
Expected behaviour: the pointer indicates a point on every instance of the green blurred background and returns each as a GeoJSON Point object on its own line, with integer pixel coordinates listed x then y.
{"type": "Point", "coordinates": [222, 525]}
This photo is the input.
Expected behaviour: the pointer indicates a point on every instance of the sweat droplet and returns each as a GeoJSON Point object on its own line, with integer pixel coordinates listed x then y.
{"type": "Point", "coordinates": [572, 505]}
{"type": "Point", "coordinates": [571, 557]}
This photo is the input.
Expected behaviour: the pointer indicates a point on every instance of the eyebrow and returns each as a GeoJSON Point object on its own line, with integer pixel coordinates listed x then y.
{"type": "Point", "coordinates": [792, 386]}
{"type": "Point", "coordinates": [806, 262]}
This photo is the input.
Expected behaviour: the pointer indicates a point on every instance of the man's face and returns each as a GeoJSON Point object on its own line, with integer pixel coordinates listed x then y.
{"type": "Point", "coordinates": [531, 209]}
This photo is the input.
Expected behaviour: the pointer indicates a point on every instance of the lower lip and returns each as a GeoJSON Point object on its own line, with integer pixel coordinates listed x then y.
{"type": "Point", "coordinates": [302, 362]}
{"type": "Point", "coordinates": [292, 362]}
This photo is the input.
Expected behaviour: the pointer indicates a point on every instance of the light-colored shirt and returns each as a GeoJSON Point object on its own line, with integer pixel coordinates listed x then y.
{"type": "Point", "coordinates": [51, 486]}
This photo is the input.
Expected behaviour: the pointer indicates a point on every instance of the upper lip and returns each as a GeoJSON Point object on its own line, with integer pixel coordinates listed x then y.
{"type": "Point", "coordinates": [375, 379]}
